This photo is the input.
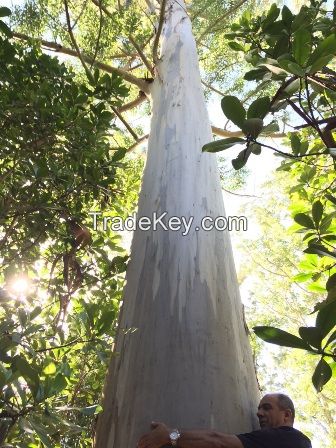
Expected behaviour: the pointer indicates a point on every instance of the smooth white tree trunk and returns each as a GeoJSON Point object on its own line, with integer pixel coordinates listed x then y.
{"type": "Point", "coordinates": [182, 354]}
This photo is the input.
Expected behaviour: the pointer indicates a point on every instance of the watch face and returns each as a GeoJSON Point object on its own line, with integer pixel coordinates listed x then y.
{"type": "Point", "coordinates": [174, 435]}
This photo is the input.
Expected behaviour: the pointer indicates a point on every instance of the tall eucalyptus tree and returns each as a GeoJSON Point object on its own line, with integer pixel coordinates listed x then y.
{"type": "Point", "coordinates": [182, 353]}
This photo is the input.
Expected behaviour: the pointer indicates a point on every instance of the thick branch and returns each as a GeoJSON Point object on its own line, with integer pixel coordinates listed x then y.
{"type": "Point", "coordinates": [141, 83]}
{"type": "Point", "coordinates": [225, 133]}
{"type": "Point", "coordinates": [132, 104]}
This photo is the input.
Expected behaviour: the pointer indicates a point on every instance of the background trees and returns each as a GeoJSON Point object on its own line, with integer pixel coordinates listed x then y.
{"type": "Point", "coordinates": [293, 56]}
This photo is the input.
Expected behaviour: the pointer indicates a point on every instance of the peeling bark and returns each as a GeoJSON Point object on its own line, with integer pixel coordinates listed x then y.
{"type": "Point", "coordinates": [182, 354]}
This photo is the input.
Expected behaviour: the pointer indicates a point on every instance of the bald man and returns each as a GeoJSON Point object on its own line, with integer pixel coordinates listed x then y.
{"type": "Point", "coordinates": [276, 415]}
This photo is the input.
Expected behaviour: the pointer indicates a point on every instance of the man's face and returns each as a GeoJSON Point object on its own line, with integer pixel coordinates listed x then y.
{"type": "Point", "coordinates": [270, 415]}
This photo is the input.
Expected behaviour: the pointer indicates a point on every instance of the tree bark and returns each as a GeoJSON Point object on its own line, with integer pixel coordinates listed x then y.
{"type": "Point", "coordinates": [182, 354]}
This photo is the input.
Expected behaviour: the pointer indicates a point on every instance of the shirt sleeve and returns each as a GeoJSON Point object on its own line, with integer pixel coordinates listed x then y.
{"type": "Point", "coordinates": [257, 439]}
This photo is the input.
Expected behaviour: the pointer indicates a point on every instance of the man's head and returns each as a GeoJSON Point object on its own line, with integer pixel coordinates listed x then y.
{"type": "Point", "coordinates": [276, 410]}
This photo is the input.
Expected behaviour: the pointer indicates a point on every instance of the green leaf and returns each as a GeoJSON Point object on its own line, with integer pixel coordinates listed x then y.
{"type": "Point", "coordinates": [27, 371]}
{"type": "Point", "coordinates": [279, 337]}
{"type": "Point", "coordinates": [324, 48]}
{"type": "Point", "coordinates": [311, 335]}
{"type": "Point", "coordinates": [4, 12]}
{"type": "Point", "coordinates": [272, 15]}
{"type": "Point", "coordinates": [50, 368]}
{"type": "Point", "coordinates": [287, 16]}
{"type": "Point", "coordinates": [320, 63]}
{"type": "Point", "coordinates": [291, 67]}
{"type": "Point", "coordinates": [221, 145]}
{"type": "Point", "coordinates": [253, 127]}
{"type": "Point", "coordinates": [326, 318]}
{"type": "Point", "coordinates": [5, 29]}
{"type": "Point", "coordinates": [259, 108]}
{"type": "Point", "coordinates": [271, 128]}
{"type": "Point", "coordinates": [295, 143]}
{"type": "Point", "coordinates": [304, 220]}
{"type": "Point", "coordinates": [319, 250]}
{"type": "Point", "coordinates": [302, 46]}
{"type": "Point", "coordinates": [235, 46]}
{"type": "Point", "coordinates": [255, 74]}
{"type": "Point", "coordinates": [321, 375]}
{"type": "Point", "coordinates": [317, 212]}
{"type": "Point", "coordinates": [241, 159]}
{"type": "Point", "coordinates": [331, 282]}
{"type": "Point", "coordinates": [59, 383]}
{"type": "Point", "coordinates": [233, 110]}
{"type": "Point", "coordinates": [255, 148]}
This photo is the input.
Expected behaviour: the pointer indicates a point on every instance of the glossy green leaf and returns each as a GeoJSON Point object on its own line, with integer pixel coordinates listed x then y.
{"type": "Point", "coordinates": [326, 47]}
{"type": "Point", "coordinates": [321, 375]}
{"type": "Point", "coordinates": [320, 250]}
{"type": "Point", "coordinates": [259, 108]}
{"type": "Point", "coordinates": [233, 110]}
{"type": "Point", "coordinates": [221, 145]}
{"type": "Point", "coordinates": [5, 29]}
{"type": "Point", "coordinates": [252, 127]}
{"type": "Point", "coordinates": [326, 318]}
{"type": "Point", "coordinates": [280, 337]}
{"type": "Point", "coordinates": [317, 212]}
{"type": "Point", "coordinates": [311, 335]}
{"type": "Point", "coordinates": [302, 46]}
{"type": "Point", "coordinates": [4, 12]}
{"type": "Point", "coordinates": [304, 220]}
{"type": "Point", "coordinates": [241, 159]}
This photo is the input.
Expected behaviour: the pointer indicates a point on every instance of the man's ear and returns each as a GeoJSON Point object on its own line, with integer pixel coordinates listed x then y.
{"type": "Point", "coordinates": [289, 415]}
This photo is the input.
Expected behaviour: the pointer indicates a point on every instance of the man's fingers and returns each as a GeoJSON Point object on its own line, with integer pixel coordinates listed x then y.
{"type": "Point", "coordinates": [154, 425]}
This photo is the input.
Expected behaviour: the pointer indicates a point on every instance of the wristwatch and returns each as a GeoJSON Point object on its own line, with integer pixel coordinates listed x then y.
{"type": "Point", "coordinates": [174, 435]}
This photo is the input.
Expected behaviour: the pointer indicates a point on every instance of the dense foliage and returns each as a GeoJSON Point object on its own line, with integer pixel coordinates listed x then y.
{"type": "Point", "coordinates": [294, 55]}
{"type": "Point", "coordinates": [61, 280]}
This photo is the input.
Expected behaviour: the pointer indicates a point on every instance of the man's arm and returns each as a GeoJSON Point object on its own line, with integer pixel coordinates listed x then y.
{"type": "Point", "coordinates": [159, 437]}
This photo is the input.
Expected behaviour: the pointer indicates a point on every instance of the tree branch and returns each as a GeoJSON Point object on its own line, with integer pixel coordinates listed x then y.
{"type": "Point", "coordinates": [127, 126]}
{"type": "Point", "coordinates": [132, 104]}
{"type": "Point", "coordinates": [137, 143]}
{"type": "Point", "coordinates": [142, 55]}
{"type": "Point", "coordinates": [224, 133]}
{"type": "Point", "coordinates": [141, 83]}
{"type": "Point", "coordinates": [158, 33]}
{"type": "Point", "coordinates": [74, 43]}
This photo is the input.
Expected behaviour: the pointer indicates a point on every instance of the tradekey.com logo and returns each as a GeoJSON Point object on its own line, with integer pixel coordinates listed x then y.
{"type": "Point", "coordinates": [168, 223]}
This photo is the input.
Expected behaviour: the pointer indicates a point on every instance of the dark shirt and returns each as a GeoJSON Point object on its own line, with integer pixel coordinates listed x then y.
{"type": "Point", "coordinates": [282, 437]}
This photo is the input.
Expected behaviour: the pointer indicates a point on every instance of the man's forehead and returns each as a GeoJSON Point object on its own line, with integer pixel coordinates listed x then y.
{"type": "Point", "coordinates": [269, 399]}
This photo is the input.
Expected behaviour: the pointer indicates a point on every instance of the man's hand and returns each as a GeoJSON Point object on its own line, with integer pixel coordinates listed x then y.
{"type": "Point", "coordinates": [158, 437]}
